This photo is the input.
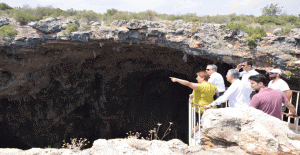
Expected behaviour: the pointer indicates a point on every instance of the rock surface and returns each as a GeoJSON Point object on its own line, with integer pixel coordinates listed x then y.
{"type": "Point", "coordinates": [251, 129]}
{"type": "Point", "coordinates": [114, 79]}
{"type": "Point", "coordinates": [229, 131]}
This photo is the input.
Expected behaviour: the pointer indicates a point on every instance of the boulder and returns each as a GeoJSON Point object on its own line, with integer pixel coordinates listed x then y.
{"type": "Point", "coordinates": [251, 129]}
{"type": "Point", "coordinates": [277, 31]}
{"type": "Point", "coordinates": [118, 23]}
{"type": "Point", "coordinates": [48, 25]}
{"type": "Point", "coordinates": [3, 21]}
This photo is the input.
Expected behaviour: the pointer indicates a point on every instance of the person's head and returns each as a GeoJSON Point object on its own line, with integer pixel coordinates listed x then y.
{"type": "Point", "coordinates": [232, 74]}
{"type": "Point", "coordinates": [258, 81]}
{"type": "Point", "coordinates": [211, 69]}
{"type": "Point", "coordinates": [247, 65]}
{"type": "Point", "coordinates": [274, 73]}
{"type": "Point", "coordinates": [202, 77]}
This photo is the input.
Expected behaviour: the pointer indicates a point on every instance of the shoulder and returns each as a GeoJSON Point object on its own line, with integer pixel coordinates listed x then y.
{"type": "Point", "coordinates": [254, 72]}
{"type": "Point", "coordinates": [218, 74]}
{"type": "Point", "coordinates": [282, 81]}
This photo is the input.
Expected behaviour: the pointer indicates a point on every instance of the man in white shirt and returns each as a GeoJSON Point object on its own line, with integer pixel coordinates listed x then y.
{"type": "Point", "coordinates": [278, 84]}
{"type": "Point", "coordinates": [235, 93]}
{"type": "Point", "coordinates": [216, 79]}
{"type": "Point", "coordinates": [245, 74]}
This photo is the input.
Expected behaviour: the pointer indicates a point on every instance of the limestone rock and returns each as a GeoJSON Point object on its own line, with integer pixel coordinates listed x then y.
{"type": "Point", "coordinates": [276, 31]}
{"type": "Point", "coordinates": [254, 131]}
{"type": "Point", "coordinates": [118, 23]}
{"type": "Point", "coordinates": [48, 25]}
{"type": "Point", "coordinates": [3, 21]}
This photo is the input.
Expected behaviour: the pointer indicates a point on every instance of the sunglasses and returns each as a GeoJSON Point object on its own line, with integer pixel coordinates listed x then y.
{"type": "Point", "coordinates": [207, 69]}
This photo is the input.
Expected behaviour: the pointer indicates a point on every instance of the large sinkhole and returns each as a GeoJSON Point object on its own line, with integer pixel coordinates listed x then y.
{"type": "Point", "coordinates": [121, 89]}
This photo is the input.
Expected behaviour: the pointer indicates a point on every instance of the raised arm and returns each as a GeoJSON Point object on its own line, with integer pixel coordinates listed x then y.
{"type": "Point", "coordinates": [185, 83]}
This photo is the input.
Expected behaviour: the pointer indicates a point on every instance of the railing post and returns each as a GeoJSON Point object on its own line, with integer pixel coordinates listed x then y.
{"type": "Point", "coordinates": [296, 121]}
{"type": "Point", "coordinates": [190, 124]}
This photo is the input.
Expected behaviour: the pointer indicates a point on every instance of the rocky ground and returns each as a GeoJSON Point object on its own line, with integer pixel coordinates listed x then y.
{"type": "Point", "coordinates": [225, 131]}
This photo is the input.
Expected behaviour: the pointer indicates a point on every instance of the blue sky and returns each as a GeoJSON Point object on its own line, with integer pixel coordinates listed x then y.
{"type": "Point", "coordinates": [200, 7]}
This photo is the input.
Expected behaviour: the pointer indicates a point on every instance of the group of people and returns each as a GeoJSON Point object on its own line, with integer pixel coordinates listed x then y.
{"type": "Point", "coordinates": [252, 90]}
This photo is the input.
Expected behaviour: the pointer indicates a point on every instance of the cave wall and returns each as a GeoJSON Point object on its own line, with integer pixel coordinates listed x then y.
{"type": "Point", "coordinates": [61, 91]}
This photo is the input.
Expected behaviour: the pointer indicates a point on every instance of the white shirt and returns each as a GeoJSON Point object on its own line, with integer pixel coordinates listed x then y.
{"type": "Point", "coordinates": [280, 85]}
{"type": "Point", "coordinates": [246, 83]}
{"type": "Point", "coordinates": [217, 79]}
{"type": "Point", "coordinates": [235, 95]}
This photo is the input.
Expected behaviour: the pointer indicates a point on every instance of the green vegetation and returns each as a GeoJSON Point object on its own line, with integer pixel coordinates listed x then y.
{"type": "Point", "coordinates": [70, 28]}
{"type": "Point", "coordinates": [272, 10]}
{"type": "Point", "coordinates": [254, 33]}
{"type": "Point", "coordinates": [4, 6]}
{"type": "Point", "coordinates": [270, 19]}
{"type": "Point", "coordinates": [271, 15]}
{"type": "Point", "coordinates": [7, 31]}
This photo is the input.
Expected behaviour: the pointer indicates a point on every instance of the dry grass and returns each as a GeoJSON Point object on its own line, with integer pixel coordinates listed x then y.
{"type": "Point", "coordinates": [75, 145]}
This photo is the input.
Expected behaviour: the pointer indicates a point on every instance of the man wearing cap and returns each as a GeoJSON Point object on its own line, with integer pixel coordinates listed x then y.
{"type": "Point", "coordinates": [278, 84]}
{"type": "Point", "coordinates": [245, 74]}
{"type": "Point", "coordinates": [216, 79]}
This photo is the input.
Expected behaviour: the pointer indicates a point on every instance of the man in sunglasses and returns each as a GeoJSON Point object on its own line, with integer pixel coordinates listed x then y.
{"type": "Point", "coordinates": [245, 74]}
{"type": "Point", "coordinates": [278, 84]}
{"type": "Point", "coordinates": [216, 79]}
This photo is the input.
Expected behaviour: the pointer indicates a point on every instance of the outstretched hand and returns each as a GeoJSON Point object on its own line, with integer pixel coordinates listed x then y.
{"type": "Point", "coordinates": [173, 79]}
{"type": "Point", "coordinates": [207, 107]}
{"type": "Point", "coordinates": [291, 115]}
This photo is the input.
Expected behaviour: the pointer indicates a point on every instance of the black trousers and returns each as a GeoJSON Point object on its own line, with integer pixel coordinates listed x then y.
{"type": "Point", "coordinates": [222, 105]}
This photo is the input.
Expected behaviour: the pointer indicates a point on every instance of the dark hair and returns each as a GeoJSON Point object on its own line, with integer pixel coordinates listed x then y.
{"type": "Point", "coordinates": [259, 78]}
{"type": "Point", "coordinates": [203, 74]}
{"type": "Point", "coordinates": [250, 62]}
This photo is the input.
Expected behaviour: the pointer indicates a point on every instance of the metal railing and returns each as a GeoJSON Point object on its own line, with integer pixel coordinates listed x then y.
{"type": "Point", "coordinates": [192, 125]}
{"type": "Point", "coordinates": [196, 138]}
{"type": "Point", "coordinates": [294, 126]}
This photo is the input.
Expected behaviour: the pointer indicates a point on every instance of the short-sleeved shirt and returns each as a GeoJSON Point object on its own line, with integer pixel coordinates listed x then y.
{"type": "Point", "coordinates": [269, 101]}
{"type": "Point", "coordinates": [280, 85]}
{"type": "Point", "coordinates": [204, 94]}
{"type": "Point", "coordinates": [217, 79]}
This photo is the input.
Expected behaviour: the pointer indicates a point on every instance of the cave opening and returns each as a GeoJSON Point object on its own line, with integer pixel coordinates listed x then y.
{"type": "Point", "coordinates": [125, 88]}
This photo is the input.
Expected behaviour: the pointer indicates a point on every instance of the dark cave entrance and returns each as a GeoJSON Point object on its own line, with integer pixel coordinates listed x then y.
{"type": "Point", "coordinates": [119, 91]}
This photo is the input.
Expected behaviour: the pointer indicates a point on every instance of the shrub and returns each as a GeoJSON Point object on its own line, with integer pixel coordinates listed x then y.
{"type": "Point", "coordinates": [84, 27]}
{"type": "Point", "coordinates": [4, 6]}
{"type": "Point", "coordinates": [25, 15]}
{"type": "Point", "coordinates": [75, 145]}
{"type": "Point", "coordinates": [153, 133]}
{"type": "Point", "coordinates": [269, 20]}
{"type": "Point", "coordinates": [70, 28]}
{"type": "Point", "coordinates": [71, 12]}
{"type": "Point", "coordinates": [7, 31]}
{"type": "Point", "coordinates": [254, 33]}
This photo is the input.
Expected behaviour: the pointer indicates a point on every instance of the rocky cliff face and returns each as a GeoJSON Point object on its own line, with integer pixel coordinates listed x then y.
{"type": "Point", "coordinates": [111, 80]}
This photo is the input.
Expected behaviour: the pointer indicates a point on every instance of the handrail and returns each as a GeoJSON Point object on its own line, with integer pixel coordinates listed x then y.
{"type": "Point", "coordinates": [296, 119]}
